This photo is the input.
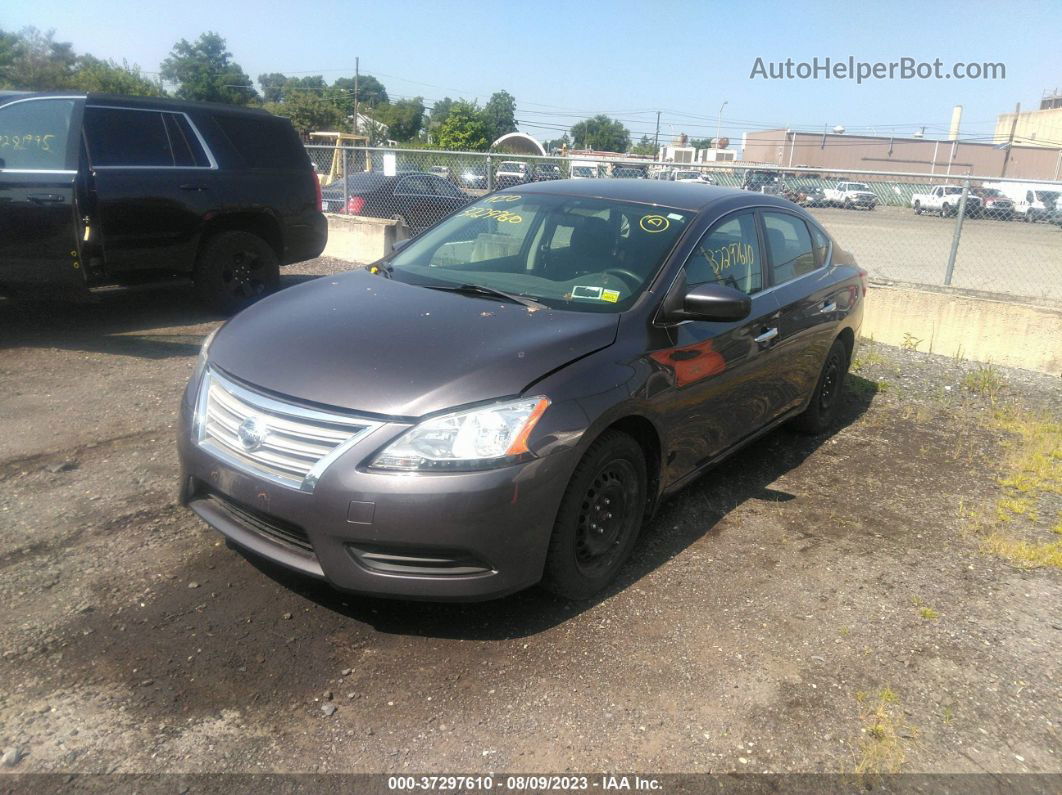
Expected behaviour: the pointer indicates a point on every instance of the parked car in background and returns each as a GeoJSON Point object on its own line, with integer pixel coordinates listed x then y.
{"type": "Point", "coordinates": [545, 172]}
{"type": "Point", "coordinates": [473, 177]}
{"type": "Point", "coordinates": [763, 181]}
{"type": "Point", "coordinates": [1033, 201]}
{"type": "Point", "coordinates": [945, 200]}
{"type": "Point", "coordinates": [630, 171]}
{"type": "Point", "coordinates": [585, 169]}
{"type": "Point", "coordinates": [507, 398]}
{"type": "Point", "coordinates": [442, 171]}
{"type": "Point", "coordinates": [994, 204]}
{"type": "Point", "coordinates": [851, 195]}
{"type": "Point", "coordinates": [691, 175]}
{"type": "Point", "coordinates": [512, 172]}
{"type": "Point", "coordinates": [100, 190]}
{"type": "Point", "coordinates": [416, 200]}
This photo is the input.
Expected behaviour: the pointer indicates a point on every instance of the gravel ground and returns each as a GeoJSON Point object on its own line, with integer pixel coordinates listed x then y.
{"type": "Point", "coordinates": [811, 605]}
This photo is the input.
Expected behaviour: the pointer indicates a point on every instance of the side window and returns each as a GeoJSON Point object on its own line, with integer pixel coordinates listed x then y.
{"type": "Point", "coordinates": [790, 246]}
{"type": "Point", "coordinates": [263, 141]}
{"type": "Point", "coordinates": [728, 254]}
{"type": "Point", "coordinates": [821, 242]}
{"type": "Point", "coordinates": [119, 137]}
{"type": "Point", "coordinates": [445, 188]}
{"type": "Point", "coordinates": [187, 151]}
{"type": "Point", "coordinates": [34, 135]}
{"type": "Point", "coordinates": [415, 185]}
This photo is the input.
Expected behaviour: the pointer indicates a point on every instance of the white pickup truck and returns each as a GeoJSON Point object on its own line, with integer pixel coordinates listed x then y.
{"type": "Point", "coordinates": [850, 195]}
{"type": "Point", "coordinates": [944, 199]}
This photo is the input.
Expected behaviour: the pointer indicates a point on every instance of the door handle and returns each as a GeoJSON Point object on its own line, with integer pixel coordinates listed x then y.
{"type": "Point", "coordinates": [193, 187]}
{"type": "Point", "coordinates": [766, 336]}
{"type": "Point", "coordinates": [828, 308]}
{"type": "Point", "coordinates": [45, 198]}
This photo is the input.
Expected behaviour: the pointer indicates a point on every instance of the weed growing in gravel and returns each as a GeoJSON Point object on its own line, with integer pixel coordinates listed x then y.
{"type": "Point", "coordinates": [985, 380]}
{"type": "Point", "coordinates": [868, 358]}
{"type": "Point", "coordinates": [880, 748]}
{"type": "Point", "coordinates": [928, 613]}
{"type": "Point", "coordinates": [1032, 477]}
{"type": "Point", "coordinates": [910, 342]}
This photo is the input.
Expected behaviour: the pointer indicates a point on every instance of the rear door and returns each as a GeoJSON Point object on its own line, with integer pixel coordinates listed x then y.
{"type": "Point", "coordinates": [40, 230]}
{"type": "Point", "coordinates": [721, 373]}
{"type": "Point", "coordinates": [417, 202]}
{"type": "Point", "coordinates": [151, 180]}
{"type": "Point", "coordinates": [811, 299]}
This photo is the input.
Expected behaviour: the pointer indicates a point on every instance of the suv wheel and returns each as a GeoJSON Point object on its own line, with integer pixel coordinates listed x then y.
{"type": "Point", "coordinates": [599, 518]}
{"type": "Point", "coordinates": [234, 270]}
{"type": "Point", "coordinates": [820, 413]}
{"type": "Point", "coordinates": [918, 207]}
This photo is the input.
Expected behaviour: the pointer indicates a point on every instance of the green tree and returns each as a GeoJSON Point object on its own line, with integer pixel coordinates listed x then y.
{"type": "Point", "coordinates": [109, 77]}
{"type": "Point", "coordinates": [601, 133]}
{"type": "Point", "coordinates": [272, 86]}
{"type": "Point", "coordinates": [702, 143]}
{"type": "Point", "coordinates": [9, 52]}
{"type": "Point", "coordinates": [464, 129]}
{"type": "Point", "coordinates": [37, 62]}
{"type": "Point", "coordinates": [500, 114]}
{"type": "Point", "coordinates": [645, 146]}
{"type": "Point", "coordinates": [308, 111]}
{"type": "Point", "coordinates": [439, 111]}
{"type": "Point", "coordinates": [559, 143]}
{"type": "Point", "coordinates": [403, 118]}
{"type": "Point", "coordinates": [204, 70]}
{"type": "Point", "coordinates": [371, 93]}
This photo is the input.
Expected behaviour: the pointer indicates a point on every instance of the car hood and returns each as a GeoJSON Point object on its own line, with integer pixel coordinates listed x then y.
{"type": "Point", "coordinates": [370, 344]}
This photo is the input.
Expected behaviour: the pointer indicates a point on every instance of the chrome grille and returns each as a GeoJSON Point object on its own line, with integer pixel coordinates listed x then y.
{"type": "Point", "coordinates": [281, 441]}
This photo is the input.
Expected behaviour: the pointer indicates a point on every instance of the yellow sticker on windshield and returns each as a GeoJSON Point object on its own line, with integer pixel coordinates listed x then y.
{"type": "Point", "coordinates": [502, 216]}
{"type": "Point", "coordinates": [653, 223]}
{"type": "Point", "coordinates": [612, 296]}
{"type": "Point", "coordinates": [502, 197]}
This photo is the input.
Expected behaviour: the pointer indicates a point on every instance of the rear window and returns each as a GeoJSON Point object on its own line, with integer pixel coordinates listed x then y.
{"type": "Point", "coordinates": [264, 142]}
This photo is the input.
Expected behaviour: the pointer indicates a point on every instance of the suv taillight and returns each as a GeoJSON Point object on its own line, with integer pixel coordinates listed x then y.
{"type": "Point", "coordinates": [317, 187]}
{"type": "Point", "coordinates": [863, 281]}
{"type": "Point", "coordinates": [355, 204]}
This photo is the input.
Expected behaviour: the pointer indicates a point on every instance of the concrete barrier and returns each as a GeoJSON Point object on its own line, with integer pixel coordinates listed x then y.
{"type": "Point", "coordinates": [1002, 332]}
{"type": "Point", "coordinates": [361, 239]}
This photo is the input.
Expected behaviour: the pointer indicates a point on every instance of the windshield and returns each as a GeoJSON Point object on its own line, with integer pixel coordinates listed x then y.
{"type": "Point", "coordinates": [569, 253]}
{"type": "Point", "coordinates": [1048, 197]}
{"type": "Point", "coordinates": [857, 186]}
{"type": "Point", "coordinates": [952, 191]}
{"type": "Point", "coordinates": [584, 171]}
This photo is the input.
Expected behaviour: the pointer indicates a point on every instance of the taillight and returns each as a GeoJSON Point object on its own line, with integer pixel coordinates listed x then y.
{"type": "Point", "coordinates": [355, 204]}
{"type": "Point", "coordinates": [317, 186]}
{"type": "Point", "coordinates": [863, 280]}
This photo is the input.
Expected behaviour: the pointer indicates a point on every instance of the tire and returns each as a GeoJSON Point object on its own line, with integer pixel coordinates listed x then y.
{"type": "Point", "coordinates": [848, 204]}
{"type": "Point", "coordinates": [590, 543]}
{"type": "Point", "coordinates": [234, 270]}
{"type": "Point", "coordinates": [820, 413]}
{"type": "Point", "coordinates": [918, 208]}
{"type": "Point", "coordinates": [945, 210]}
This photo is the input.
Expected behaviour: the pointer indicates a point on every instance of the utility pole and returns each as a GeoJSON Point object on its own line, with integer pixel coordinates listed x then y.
{"type": "Point", "coordinates": [1010, 140]}
{"type": "Point", "coordinates": [357, 62]}
{"type": "Point", "coordinates": [656, 138]}
{"type": "Point", "coordinates": [719, 123]}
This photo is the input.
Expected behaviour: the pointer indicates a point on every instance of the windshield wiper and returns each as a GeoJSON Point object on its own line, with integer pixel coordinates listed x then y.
{"type": "Point", "coordinates": [490, 292]}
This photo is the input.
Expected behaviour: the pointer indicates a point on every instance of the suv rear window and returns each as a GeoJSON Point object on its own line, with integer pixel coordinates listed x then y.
{"type": "Point", "coordinates": [264, 142]}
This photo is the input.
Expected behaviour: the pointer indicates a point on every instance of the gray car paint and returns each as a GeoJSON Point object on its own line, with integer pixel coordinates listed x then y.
{"type": "Point", "coordinates": [368, 344]}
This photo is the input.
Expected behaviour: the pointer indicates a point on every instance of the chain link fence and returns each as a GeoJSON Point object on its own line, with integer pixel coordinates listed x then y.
{"type": "Point", "coordinates": [982, 234]}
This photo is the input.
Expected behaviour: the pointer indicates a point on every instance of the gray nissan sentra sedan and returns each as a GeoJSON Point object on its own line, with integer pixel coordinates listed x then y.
{"type": "Point", "coordinates": [506, 399]}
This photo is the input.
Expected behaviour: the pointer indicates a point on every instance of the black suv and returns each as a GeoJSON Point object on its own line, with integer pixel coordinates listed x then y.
{"type": "Point", "coordinates": [101, 190]}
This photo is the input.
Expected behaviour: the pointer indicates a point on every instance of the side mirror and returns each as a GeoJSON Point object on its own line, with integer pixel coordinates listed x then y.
{"type": "Point", "coordinates": [709, 302]}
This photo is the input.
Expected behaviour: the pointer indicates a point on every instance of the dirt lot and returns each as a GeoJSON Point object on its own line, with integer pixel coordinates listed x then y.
{"type": "Point", "coordinates": [826, 604]}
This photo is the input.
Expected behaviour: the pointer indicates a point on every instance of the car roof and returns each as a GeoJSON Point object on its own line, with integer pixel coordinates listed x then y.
{"type": "Point", "coordinates": [681, 196]}
{"type": "Point", "coordinates": [139, 102]}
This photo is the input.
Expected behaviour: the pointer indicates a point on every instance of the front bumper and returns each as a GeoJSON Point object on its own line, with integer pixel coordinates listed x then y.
{"type": "Point", "coordinates": [452, 536]}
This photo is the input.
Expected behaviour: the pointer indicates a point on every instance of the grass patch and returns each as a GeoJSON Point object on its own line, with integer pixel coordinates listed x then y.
{"type": "Point", "coordinates": [868, 358]}
{"type": "Point", "coordinates": [910, 342]}
{"type": "Point", "coordinates": [1031, 480]}
{"type": "Point", "coordinates": [928, 613]}
{"type": "Point", "coordinates": [880, 748]}
{"type": "Point", "coordinates": [985, 380]}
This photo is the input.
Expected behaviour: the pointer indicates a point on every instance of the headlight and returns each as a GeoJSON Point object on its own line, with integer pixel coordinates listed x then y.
{"type": "Point", "coordinates": [475, 439]}
{"type": "Point", "coordinates": [201, 360]}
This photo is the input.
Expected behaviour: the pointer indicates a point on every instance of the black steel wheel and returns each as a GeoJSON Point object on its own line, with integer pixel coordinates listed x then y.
{"type": "Point", "coordinates": [599, 517]}
{"type": "Point", "coordinates": [235, 269]}
{"type": "Point", "coordinates": [822, 409]}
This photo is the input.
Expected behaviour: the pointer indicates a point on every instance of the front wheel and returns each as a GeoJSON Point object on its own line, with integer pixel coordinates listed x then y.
{"type": "Point", "coordinates": [918, 208]}
{"type": "Point", "coordinates": [822, 410]}
{"type": "Point", "coordinates": [234, 270]}
{"type": "Point", "coordinates": [599, 518]}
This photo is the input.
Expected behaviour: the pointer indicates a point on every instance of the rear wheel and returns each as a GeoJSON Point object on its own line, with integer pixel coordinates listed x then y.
{"type": "Point", "coordinates": [599, 518]}
{"type": "Point", "coordinates": [918, 208]}
{"type": "Point", "coordinates": [822, 410]}
{"type": "Point", "coordinates": [234, 270]}
{"type": "Point", "coordinates": [945, 210]}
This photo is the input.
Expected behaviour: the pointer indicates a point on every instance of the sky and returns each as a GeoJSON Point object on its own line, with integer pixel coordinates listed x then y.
{"type": "Point", "coordinates": [566, 61]}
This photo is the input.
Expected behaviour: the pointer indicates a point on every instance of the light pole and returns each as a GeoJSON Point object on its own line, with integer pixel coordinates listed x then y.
{"type": "Point", "coordinates": [719, 123]}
